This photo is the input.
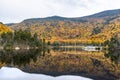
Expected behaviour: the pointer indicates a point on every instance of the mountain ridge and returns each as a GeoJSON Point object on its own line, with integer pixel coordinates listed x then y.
{"type": "Point", "coordinates": [97, 27]}
{"type": "Point", "coordinates": [96, 15]}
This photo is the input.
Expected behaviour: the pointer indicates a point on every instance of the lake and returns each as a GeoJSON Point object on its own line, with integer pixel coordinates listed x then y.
{"type": "Point", "coordinates": [89, 61]}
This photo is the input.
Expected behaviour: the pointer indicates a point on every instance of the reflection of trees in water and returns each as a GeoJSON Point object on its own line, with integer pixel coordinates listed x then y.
{"type": "Point", "coordinates": [113, 48]}
{"type": "Point", "coordinates": [114, 55]}
{"type": "Point", "coordinates": [20, 57]}
{"type": "Point", "coordinates": [90, 65]}
{"type": "Point", "coordinates": [66, 49]}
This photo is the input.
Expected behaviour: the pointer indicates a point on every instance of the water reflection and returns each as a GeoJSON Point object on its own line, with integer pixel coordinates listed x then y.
{"type": "Point", "coordinates": [19, 57]}
{"type": "Point", "coordinates": [63, 60]}
{"type": "Point", "coordinates": [114, 55]}
{"type": "Point", "coordinates": [77, 49]}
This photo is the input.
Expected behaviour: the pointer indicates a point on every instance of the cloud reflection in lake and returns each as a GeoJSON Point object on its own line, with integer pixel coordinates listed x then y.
{"type": "Point", "coordinates": [7, 73]}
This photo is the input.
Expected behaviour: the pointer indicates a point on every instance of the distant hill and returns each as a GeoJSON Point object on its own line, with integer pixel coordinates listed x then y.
{"type": "Point", "coordinates": [10, 24]}
{"type": "Point", "coordinates": [93, 28]}
{"type": "Point", "coordinates": [4, 28]}
{"type": "Point", "coordinates": [104, 14]}
{"type": "Point", "coordinates": [107, 16]}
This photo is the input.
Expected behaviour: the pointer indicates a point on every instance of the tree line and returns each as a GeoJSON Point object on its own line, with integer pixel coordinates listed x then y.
{"type": "Point", "coordinates": [22, 38]}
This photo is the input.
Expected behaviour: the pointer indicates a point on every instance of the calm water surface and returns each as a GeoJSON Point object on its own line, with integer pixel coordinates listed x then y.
{"type": "Point", "coordinates": [95, 64]}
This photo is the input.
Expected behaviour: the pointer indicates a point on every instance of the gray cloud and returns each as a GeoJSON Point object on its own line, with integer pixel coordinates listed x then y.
{"type": "Point", "coordinates": [18, 10]}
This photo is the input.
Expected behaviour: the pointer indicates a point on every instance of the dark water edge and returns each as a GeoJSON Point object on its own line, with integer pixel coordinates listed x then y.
{"type": "Point", "coordinates": [83, 74]}
{"type": "Point", "coordinates": [91, 68]}
{"type": "Point", "coordinates": [97, 65]}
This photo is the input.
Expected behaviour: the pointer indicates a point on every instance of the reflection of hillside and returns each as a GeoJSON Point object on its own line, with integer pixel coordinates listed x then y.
{"type": "Point", "coordinates": [20, 57]}
{"type": "Point", "coordinates": [72, 50]}
{"type": "Point", "coordinates": [77, 48]}
{"type": "Point", "coordinates": [59, 62]}
{"type": "Point", "coordinates": [92, 65]}
{"type": "Point", "coordinates": [114, 55]}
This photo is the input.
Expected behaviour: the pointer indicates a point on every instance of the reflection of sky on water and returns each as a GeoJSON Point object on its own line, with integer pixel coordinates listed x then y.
{"type": "Point", "coordinates": [78, 48]}
{"type": "Point", "coordinates": [24, 59]}
{"type": "Point", "coordinates": [7, 73]}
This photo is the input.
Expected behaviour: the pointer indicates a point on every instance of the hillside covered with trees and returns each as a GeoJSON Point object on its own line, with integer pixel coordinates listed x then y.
{"type": "Point", "coordinates": [4, 28]}
{"type": "Point", "coordinates": [96, 28]}
{"type": "Point", "coordinates": [9, 39]}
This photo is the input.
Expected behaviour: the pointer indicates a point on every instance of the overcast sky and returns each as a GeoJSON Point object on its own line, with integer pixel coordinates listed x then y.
{"type": "Point", "coordinates": [12, 11]}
